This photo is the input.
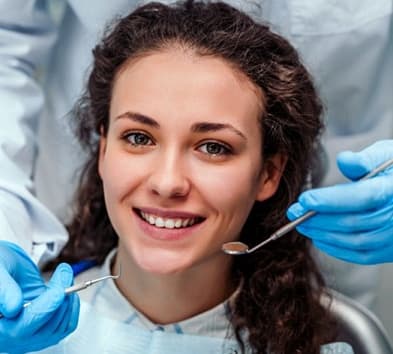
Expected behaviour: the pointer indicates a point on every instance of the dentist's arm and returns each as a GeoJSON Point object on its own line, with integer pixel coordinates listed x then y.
{"type": "Point", "coordinates": [354, 220]}
{"type": "Point", "coordinates": [27, 35]}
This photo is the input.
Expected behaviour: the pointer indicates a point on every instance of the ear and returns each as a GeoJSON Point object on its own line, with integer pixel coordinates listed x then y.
{"type": "Point", "coordinates": [101, 152]}
{"type": "Point", "coordinates": [270, 176]}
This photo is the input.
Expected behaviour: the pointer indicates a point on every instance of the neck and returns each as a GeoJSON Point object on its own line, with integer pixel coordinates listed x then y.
{"type": "Point", "coordinates": [172, 298]}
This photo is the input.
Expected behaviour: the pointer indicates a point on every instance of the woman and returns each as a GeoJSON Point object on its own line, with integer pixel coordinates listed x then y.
{"type": "Point", "coordinates": [199, 126]}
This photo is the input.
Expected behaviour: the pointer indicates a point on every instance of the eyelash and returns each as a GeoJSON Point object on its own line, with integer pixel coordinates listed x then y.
{"type": "Point", "coordinates": [130, 135]}
{"type": "Point", "coordinates": [224, 150]}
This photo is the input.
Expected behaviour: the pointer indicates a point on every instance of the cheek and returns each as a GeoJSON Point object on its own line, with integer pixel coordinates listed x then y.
{"type": "Point", "coordinates": [118, 180]}
{"type": "Point", "coordinates": [113, 181]}
{"type": "Point", "coordinates": [117, 174]}
{"type": "Point", "coordinates": [231, 189]}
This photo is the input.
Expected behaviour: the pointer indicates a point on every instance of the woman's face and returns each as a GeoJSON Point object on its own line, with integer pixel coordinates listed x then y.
{"type": "Point", "coordinates": [181, 162]}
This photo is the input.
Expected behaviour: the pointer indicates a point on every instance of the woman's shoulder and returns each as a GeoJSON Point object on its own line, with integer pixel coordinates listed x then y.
{"type": "Point", "coordinates": [337, 348]}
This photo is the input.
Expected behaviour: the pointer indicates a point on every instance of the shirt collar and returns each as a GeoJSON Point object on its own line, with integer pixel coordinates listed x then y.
{"type": "Point", "coordinates": [108, 299]}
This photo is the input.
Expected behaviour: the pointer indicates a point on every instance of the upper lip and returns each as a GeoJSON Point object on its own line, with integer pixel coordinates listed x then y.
{"type": "Point", "coordinates": [169, 213]}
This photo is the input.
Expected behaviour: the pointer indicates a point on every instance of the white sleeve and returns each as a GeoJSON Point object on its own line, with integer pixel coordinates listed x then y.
{"type": "Point", "coordinates": [27, 34]}
{"type": "Point", "coordinates": [349, 48]}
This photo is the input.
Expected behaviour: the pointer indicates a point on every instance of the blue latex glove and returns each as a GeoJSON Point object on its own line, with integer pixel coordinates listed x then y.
{"type": "Point", "coordinates": [50, 317]}
{"type": "Point", "coordinates": [355, 220]}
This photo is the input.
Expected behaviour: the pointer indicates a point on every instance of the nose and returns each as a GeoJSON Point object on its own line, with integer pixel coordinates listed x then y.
{"type": "Point", "coordinates": [169, 178]}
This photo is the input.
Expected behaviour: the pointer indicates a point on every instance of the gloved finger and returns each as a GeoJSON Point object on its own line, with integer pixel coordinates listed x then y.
{"type": "Point", "coordinates": [60, 322]}
{"type": "Point", "coordinates": [41, 309]}
{"type": "Point", "coordinates": [51, 333]}
{"type": "Point", "coordinates": [372, 240]}
{"type": "Point", "coordinates": [355, 165]}
{"type": "Point", "coordinates": [296, 210]}
{"type": "Point", "coordinates": [74, 320]}
{"type": "Point", "coordinates": [365, 257]}
{"type": "Point", "coordinates": [349, 197]}
{"type": "Point", "coordinates": [11, 298]}
{"type": "Point", "coordinates": [61, 318]}
{"type": "Point", "coordinates": [34, 316]}
{"type": "Point", "coordinates": [63, 315]}
{"type": "Point", "coordinates": [52, 325]}
{"type": "Point", "coordinates": [54, 330]}
{"type": "Point", "coordinates": [345, 222]}
{"type": "Point", "coordinates": [70, 322]}
{"type": "Point", "coordinates": [61, 279]}
{"type": "Point", "coordinates": [63, 322]}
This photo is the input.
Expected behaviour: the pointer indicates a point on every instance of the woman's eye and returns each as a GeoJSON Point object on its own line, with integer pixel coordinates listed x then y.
{"type": "Point", "coordinates": [138, 139]}
{"type": "Point", "coordinates": [215, 149]}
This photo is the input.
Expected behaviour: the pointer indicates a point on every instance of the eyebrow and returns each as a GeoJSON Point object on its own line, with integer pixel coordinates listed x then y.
{"type": "Point", "coordinates": [140, 118]}
{"type": "Point", "coordinates": [200, 127]}
{"type": "Point", "coordinates": [205, 127]}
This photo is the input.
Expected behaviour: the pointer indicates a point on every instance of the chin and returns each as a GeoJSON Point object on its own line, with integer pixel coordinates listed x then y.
{"type": "Point", "coordinates": [162, 262]}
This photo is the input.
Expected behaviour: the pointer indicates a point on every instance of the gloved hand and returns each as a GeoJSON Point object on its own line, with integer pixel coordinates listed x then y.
{"type": "Point", "coordinates": [50, 317]}
{"type": "Point", "coordinates": [354, 220]}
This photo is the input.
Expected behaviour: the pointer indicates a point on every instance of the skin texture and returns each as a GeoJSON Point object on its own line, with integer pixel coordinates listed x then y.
{"type": "Point", "coordinates": [160, 157]}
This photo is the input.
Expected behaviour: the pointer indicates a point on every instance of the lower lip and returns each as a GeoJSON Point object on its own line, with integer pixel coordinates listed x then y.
{"type": "Point", "coordinates": [164, 234]}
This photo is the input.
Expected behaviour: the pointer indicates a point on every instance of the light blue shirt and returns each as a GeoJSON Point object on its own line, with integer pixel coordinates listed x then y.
{"type": "Point", "coordinates": [100, 334]}
{"type": "Point", "coordinates": [45, 50]}
{"type": "Point", "coordinates": [110, 324]}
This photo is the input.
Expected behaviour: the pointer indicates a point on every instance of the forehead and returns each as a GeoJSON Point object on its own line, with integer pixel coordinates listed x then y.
{"type": "Point", "coordinates": [178, 81]}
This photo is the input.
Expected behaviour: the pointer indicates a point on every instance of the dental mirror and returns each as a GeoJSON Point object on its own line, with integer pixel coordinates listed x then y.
{"type": "Point", "coordinates": [238, 248]}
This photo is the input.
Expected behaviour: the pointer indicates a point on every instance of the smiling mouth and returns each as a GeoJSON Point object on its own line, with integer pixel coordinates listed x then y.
{"type": "Point", "coordinates": [168, 223]}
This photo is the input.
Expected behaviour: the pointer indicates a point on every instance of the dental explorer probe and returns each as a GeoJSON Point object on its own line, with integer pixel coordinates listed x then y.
{"type": "Point", "coordinates": [239, 248]}
{"type": "Point", "coordinates": [80, 286]}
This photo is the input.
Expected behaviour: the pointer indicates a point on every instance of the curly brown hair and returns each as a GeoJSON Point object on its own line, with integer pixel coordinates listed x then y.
{"type": "Point", "coordinates": [278, 303]}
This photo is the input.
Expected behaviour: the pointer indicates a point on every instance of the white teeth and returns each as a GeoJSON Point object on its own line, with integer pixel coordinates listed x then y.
{"type": "Point", "coordinates": [167, 222]}
{"type": "Point", "coordinates": [160, 222]}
